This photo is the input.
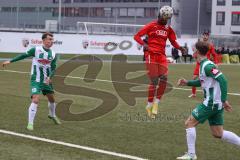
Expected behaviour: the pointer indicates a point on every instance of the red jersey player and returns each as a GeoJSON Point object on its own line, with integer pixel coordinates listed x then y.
{"type": "Point", "coordinates": [211, 55]}
{"type": "Point", "coordinates": [156, 63]}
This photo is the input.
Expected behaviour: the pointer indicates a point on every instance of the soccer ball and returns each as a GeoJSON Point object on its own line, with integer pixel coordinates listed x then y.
{"type": "Point", "coordinates": [166, 12]}
{"type": "Point", "coordinates": [170, 60]}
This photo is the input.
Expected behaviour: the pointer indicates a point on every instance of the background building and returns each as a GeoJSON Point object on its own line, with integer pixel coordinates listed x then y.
{"type": "Point", "coordinates": [225, 17]}
{"type": "Point", "coordinates": [32, 14]}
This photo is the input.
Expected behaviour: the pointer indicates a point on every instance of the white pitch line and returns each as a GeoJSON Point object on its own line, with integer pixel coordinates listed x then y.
{"type": "Point", "coordinates": [71, 145]}
{"type": "Point", "coordinates": [104, 80]}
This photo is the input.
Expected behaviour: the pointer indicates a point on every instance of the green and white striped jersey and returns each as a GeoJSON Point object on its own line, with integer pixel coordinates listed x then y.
{"type": "Point", "coordinates": [213, 83]}
{"type": "Point", "coordinates": [211, 87]}
{"type": "Point", "coordinates": [43, 63]}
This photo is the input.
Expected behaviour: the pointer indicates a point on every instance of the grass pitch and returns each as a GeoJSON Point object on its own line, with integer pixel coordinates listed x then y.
{"type": "Point", "coordinates": [124, 130]}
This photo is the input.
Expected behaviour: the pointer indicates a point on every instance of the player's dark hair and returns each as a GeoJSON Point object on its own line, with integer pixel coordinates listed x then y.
{"type": "Point", "coordinates": [46, 34]}
{"type": "Point", "coordinates": [206, 32]}
{"type": "Point", "coordinates": [202, 47]}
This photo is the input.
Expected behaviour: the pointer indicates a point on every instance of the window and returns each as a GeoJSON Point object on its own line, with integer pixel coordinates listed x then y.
{"type": "Point", "coordinates": [131, 12]}
{"type": "Point", "coordinates": [66, 1]}
{"type": "Point", "coordinates": [27, 9]}
{"type": "Point", "coordinates": [107, 12]}
{"type": "Point", "coordinates": [6, 9]}
{"type": "Point", "coordinates": [135, 12]}
{"type": "Point", "coordinates": [115, 12]}
{"type": "Point", "coordinates": [45, 9]}
{"type": "Point", "coordinates": [220, 19]}
{"type": "Point", "coordinates": [123, 12]}
{"type": "Point", "coordinates": [140, 12]}
{"type": "Point", "coordinates": [63, 1]}
{"type": "Point", "coordinates": [221, 2]}
{"type": "Point", "coordinates": [235, 18]}
{"type": "Point", "coordinates": [150, 12]}
{"type": "Point", "coordinates": [235, 2]}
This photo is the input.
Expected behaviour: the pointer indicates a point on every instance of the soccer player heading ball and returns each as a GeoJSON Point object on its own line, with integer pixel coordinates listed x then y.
{"type": "Point", "coordinates": [43, 68]}
{"type": "Point", "coordinates": [157, 32]}
{"type": "Point", "coordinates": [214, 87]}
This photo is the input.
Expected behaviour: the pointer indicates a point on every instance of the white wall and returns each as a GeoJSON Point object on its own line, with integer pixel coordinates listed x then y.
{"type": "Point", "coordinates": [74, 43]}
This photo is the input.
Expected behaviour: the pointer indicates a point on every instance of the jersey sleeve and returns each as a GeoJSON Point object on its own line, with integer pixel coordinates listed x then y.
{"type": "Point", "coordinates": [29, 53]}
{"type": "Point", "coordinates": [143, 31]}
{"type": "Point", "coordinates": [195, 83]}
{"type": "Point", "coordinates": [172, 38]}
{"type": "Point", "coordinates": [212, 71]}
{"type": "Point", "coordinates": [53, 66]}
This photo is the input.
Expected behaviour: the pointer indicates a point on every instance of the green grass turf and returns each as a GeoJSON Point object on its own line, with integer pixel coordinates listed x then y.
{"type": "Point", "coordinates": [69, 56]}
{"type": "Point", "coordinates": [124, 130]}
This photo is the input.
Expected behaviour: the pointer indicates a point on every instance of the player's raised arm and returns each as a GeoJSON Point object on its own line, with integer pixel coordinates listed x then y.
{"type": "Point", "coordinates": [29, 53]}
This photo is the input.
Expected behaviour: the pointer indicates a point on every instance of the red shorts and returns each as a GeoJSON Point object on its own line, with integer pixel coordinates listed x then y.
{"type": "Point", "coordinates": [156, 64]}
{"type": "Point", "coordinates": [196, 70]}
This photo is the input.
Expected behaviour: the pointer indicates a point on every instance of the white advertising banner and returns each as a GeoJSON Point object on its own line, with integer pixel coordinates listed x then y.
{"type": "Point", "coordinates": [79, 44]}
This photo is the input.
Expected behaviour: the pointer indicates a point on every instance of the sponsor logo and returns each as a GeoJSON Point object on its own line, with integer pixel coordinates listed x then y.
{"type": "Point", "coordinates": [25, 42]}
{"type": "Point", "coordinates": [107, 46]}
{"type": "Point", "coordinates": [34, 89]}
{"type": "Point", "coordinates": [139, 47]}
{"type": "Point", "coordinates": [85, 44]}
{"type": "Point", "coordinates": [44, 61]}
{"type": "Point", "coordinates": [215, 71]}
{"type": "Point", "coordinates": [196, 112]}
{"type": "Point", "coordinates": [39, 42]}
{"type": "Point", "coordinates": [161, 33]}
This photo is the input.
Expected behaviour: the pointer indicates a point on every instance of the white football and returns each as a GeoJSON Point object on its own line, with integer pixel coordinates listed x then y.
{"type": "Point", "coordinates": [170, 60]}
{"type": "Point", "coordinates": [166, 12]}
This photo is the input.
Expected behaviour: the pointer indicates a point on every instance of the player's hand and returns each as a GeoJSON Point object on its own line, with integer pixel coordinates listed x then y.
{"type": "Point", "coordinates": [48, 81]}
{"type": "Point", "coordinates": [145, 45]}
{"type": "Point", "coordinates": [227, 106]}
{"type": "Point", "coordinates": [4, 64]}
{"type": "Point", "coordinates": [183, 50]}
{"type": "Point", "coordinates": [182, 82]}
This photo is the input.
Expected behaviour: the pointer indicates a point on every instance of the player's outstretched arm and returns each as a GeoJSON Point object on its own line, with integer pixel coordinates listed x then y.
{"type": "Point", "coordinates": [182, 82]}
{"type": "Point", "coordinates": [5, 63]}
{"type": "Point", "coordinates": [29, 53]}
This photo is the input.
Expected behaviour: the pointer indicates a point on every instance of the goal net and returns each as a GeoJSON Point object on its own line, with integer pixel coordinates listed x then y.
{"type": "Point", "coordinates": [91, 28]}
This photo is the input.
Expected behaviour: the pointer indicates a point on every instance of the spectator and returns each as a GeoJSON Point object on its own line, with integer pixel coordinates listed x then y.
{"type": "Point", "coordinates": [175, 54]}
{"type": "Point", "coordinates": [185, 55]}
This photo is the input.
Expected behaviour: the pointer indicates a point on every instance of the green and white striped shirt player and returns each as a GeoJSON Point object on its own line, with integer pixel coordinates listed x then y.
{"type": "Point", "coordinates": [213, 83]}
{"type": "Point", "coordinates": [43, 63]}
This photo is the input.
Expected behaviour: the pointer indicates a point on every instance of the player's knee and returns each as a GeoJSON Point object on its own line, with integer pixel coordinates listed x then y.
{"type": "Point", "coordinates": [163, 78]}
{"type": "Point", "coordinates": [154, 81]}
{"type": "Point", "coordinates": [51, 99]}
{"type": "Point", "coordinates": [217, 135]}
{"type": "Point", "coordinates": [189, 124]}
{"type": "Point", "coordinates": [35, 99]}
